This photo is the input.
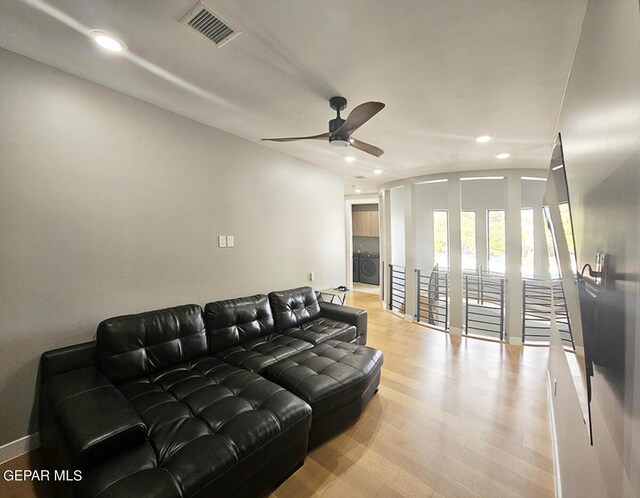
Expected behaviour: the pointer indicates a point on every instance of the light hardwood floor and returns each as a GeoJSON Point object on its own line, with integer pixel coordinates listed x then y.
{"type": "Point", "coordinates": [453, 417]}
{"type": "Point", "coordinates": [368, 288]}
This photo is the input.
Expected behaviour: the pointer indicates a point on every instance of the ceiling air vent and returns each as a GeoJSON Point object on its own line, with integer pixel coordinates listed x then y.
{"type": "Point", "coordinates": [360, 177]}
{"type": "Point", "coordinates": [206, 22]}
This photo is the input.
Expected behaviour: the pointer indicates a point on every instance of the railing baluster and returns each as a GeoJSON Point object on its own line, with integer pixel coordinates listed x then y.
{"type": "Point", "coordinates": [418, 294]}
{"type": "Point", "coordinates": [431, 308]}
{"type": "Point", "coordinates": [524, 315]}
{"type": "Point", "coordinates": [502, 309]}
{"type": "Point", "coordinates": [446, 301]}
{"type": "Point", "coordinates": [390, 286]}
{"type": "Point", "coordinates": [397, 291]}
{"type": "Point", "coordinates": [484, 305]}
{"type": "Point", "coordinates": [466, 306]}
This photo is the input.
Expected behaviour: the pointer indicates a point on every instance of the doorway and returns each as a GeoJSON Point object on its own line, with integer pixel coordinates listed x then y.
{"type": "Point", "coordinates": [363, 245]}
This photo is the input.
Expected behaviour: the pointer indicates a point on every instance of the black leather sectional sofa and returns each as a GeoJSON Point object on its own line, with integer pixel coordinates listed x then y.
{"type": "Point", "coordinates": [224, 401]}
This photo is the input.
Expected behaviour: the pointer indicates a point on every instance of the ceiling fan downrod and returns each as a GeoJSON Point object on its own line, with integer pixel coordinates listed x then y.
{"type": "Point", "coordinates": [337, 104]}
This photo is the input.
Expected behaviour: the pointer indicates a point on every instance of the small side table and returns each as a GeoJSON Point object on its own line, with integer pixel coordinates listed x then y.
{"type": "Point", "coordinates": [340, 295]}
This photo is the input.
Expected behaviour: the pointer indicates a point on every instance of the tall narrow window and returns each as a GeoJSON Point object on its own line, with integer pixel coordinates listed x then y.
{"type": "Point", "coordinates": [565, 216]}
{"type": "Point", "coordinates": [496, 240]}
{"type": "Point", "coordinates": [526, 223]}
{"type": "Point", "coordinates": [468, 225]}
{"type": "Point", "coordinates": [441, 238]}
{"type": "Point", "coordinates": [553, 262]}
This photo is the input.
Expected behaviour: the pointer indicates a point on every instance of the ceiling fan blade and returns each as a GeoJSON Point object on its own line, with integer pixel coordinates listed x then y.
{"type": "Point", "coordinates": [322, 136]}
{"type": "Point", "coordinates": [359, 116]}
{"type": "Point", "coordinates": [365, 147]}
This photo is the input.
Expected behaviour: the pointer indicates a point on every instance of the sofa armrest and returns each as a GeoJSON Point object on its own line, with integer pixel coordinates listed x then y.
{"type": "Point", "coordinates": [347, 314]}
{"type": "Point", "coordinates": [63, 360]}
{"type": "Point", "coordinates": [95, 420]}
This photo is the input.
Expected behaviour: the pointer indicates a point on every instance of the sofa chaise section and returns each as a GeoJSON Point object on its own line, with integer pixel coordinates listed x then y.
{"type": "Point", "coordinates": [336, 378]}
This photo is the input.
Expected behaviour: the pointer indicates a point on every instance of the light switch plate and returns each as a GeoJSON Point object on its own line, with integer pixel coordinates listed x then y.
{"type": "Point", "coordinates": [230, 240]}
{"type": "Point", "coordinates": [222, 241]}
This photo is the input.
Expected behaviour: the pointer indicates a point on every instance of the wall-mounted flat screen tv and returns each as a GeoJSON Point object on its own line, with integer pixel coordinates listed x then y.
{"type": "Point", "coordinates": [566, 283]}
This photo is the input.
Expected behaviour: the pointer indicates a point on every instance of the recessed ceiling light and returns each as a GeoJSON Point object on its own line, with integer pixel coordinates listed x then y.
{"type": "Point", "coordinates": [350, 159]}
{"type": "Point", "coordinates": [377, 171]}
{"type": "Point", "coordinates": [358, 191]}
{"type": "Point", "coordinates": [107, 41]}
{"type": "Point", "coordinates": [503, 155]}
{"type": "Point", "coordinates": [483, 138]}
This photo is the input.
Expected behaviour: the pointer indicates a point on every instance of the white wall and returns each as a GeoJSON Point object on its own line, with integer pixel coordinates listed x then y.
{"type": "Point", "coordinates": [369, 245]}
{"type": "Point", "coordinates": [397, 226]}
{"type": "Point", "coordinates": [109, 205]}
{"type": "Point", "coordinates": [600, 123]}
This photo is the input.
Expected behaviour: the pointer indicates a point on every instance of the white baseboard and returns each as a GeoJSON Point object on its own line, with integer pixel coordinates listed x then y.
{"type": "Point", "coordinates": [514, 341]}
{"type": "Point", "coordinates": [19, 447]}
{"type": "Point", "coordinates": [554, 440]}
{"type": "Point", "coordinates": [408, 318]}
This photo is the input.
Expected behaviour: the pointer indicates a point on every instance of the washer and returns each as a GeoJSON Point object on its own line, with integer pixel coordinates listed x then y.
{"type": "Point", "coordinates": [370, 269]}
{"type": "Point", "coordinates": [356, 267]}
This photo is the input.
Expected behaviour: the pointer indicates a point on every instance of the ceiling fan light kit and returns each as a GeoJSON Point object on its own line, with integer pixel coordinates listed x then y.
{"type": "Point", "coordinates": [340, 130]}
{"type": "Point", "coordinates": [338, 142]}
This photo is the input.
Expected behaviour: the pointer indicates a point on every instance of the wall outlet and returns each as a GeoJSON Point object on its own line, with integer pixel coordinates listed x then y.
{"type": "Point", "coordinates": [222, 241]}
{"type": "Point", "coordinates": [230, 240]}
{"type": "Point", "coordinates": [311, 276]}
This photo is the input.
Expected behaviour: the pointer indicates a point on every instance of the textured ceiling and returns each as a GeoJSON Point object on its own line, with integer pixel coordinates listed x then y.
{"type": "Point", "coordinates": [447, 70]}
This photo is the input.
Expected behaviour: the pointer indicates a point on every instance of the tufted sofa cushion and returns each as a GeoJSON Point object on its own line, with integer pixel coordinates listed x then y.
{"type": "Point", "coordinates": [204, 419]}
{"type": "Point", "coordinates": [258, 354]}
{"type": "Point", "coordinates": [133, 346]}
{"type": "Point", "coordinates": [328, 375]}
{"type": "Point", "coordinates": [234, 321]}
{"type": "Point", "coordinates": [336, 378]}
{"type": "Point", "coordinates": [293, 307]}
{"type": "Point", "coordinates": [323, 329]}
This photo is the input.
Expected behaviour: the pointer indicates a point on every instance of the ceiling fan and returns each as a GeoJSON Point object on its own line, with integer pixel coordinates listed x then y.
{"type": "Point", "coordinates": [340, 130]}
